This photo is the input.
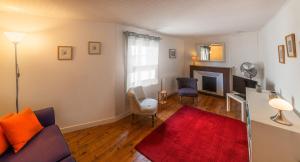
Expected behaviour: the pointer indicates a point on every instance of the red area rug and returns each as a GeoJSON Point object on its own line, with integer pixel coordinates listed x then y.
{"type": "Point", "coordinates": [193, 135]}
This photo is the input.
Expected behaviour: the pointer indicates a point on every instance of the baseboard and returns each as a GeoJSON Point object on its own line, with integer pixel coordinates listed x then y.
{"type": "Point", "coordinates": [93, 123]}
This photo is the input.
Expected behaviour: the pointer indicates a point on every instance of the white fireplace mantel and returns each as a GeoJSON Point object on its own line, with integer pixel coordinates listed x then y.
{"type": "Point", "coordinates": [219, 81]}
{"type": "Point", "coordinates": [214, 71]}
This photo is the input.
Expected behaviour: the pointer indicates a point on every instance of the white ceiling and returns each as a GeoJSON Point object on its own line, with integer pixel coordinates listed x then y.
{"type": "Point", "coordinates": [174, 17]}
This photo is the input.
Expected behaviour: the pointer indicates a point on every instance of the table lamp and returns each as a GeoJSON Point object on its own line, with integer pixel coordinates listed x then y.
{"type": "Point", "coordinates": [194, 59]}
{"type": "Point", "coordinates": [281, 105]}
{"type": "Point", "coordinates": [15, 38]}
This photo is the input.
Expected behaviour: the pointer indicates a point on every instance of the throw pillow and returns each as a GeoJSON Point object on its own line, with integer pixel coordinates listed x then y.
{"type": "Point", "coordinates": [3, 141]}
{"type": "Point", "coordinates": [20, 128]}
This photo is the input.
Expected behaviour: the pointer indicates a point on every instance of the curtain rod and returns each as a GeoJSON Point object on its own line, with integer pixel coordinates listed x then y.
{"type": "Point", "coordinates": [129, 33]}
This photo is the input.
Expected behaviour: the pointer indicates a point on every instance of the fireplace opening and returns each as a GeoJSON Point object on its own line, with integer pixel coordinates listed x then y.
{"type": "Point", "coordinates": [209, 83]}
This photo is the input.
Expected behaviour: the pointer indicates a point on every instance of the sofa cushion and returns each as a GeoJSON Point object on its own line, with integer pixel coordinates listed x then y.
{"type": "Point", "coordinates": [47, 146]}
{"type": "Point", "coordinates": [187, 92]}
{"type": "Point", "coordinates": [20, 128]}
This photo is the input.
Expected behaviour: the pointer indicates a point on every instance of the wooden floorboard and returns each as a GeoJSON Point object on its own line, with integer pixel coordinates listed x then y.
{"type": "Point", "coordinates": [115, 142]}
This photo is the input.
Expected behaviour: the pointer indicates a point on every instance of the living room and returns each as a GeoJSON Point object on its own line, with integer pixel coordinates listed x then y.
{"type": "Point", "coordinates": [76, 57]}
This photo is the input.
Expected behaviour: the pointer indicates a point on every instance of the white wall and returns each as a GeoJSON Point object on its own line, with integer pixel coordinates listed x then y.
{"type": "Point", "coordinates": [239, 48]}
{"type": "Point", "coordinates": [88, 89]}
{"type": "Point", "coordinates": [284, 77]}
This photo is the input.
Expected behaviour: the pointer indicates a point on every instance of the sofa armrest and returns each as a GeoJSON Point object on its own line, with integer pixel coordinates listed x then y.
{"type": "Point", "coordinates": [46, 116]}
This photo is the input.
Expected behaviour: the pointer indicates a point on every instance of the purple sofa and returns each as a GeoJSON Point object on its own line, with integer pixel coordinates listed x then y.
{"type": "Point", "coordinates": [47, 146]}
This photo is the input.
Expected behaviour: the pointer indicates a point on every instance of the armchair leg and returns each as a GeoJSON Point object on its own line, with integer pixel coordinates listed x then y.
{"type": "Point", "coordinates": [180, 99]}
{"type": "Point", "coordinates": [153, 116]}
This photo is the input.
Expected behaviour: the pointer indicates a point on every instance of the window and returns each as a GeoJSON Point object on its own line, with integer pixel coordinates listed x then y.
{"type": "Point", "coordinates": [142, 60]}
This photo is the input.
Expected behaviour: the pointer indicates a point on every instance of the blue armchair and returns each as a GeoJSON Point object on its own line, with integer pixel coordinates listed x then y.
{"type": "Point", "coordinates": [187, 87]}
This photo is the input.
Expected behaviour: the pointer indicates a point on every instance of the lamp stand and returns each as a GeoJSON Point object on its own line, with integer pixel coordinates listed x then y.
{"type": "Point", "coordinates": [17, 77]}
{"type": "Point", "coordinates": [280, 118]}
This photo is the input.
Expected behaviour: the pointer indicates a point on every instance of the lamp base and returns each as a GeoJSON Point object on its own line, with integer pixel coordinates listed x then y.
{"type": "Point", "coordinates": [280, 118]}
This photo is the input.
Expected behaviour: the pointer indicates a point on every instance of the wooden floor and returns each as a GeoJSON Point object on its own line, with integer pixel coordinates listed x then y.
{"type": "Point", "coordinates": [115, 142]}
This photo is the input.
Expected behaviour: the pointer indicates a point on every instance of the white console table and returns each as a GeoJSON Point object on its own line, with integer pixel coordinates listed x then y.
{"type": "Point", "coordinates": [238, 99]}
{"type": "Point", "coordinates": [269, 141]}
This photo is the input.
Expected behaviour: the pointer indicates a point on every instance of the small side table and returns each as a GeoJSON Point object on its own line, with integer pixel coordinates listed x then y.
{"type": "Point", "coordinates": [238, 99]}
{"type": "Point", "coordinates": [162, 97]}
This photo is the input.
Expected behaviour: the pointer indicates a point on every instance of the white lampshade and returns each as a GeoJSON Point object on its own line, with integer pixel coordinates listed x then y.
{"type": "Point", "coordinates": [280, 104]}
{"type": "Point", "coordinates": [15, 37]}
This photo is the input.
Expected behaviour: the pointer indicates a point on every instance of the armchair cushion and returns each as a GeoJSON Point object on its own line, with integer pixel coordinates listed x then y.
{"type": "Point", "coordinates": [187, 92]}
{"type": "Point", "coordinates": [187, 83]}
{"type": "Point", "coordinates": [149, 106]}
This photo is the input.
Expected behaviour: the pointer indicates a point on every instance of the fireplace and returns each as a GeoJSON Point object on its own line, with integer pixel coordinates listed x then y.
{"type": "Point", "coordinates": [209, 84]}
{"type": "Point", "coordinates": [211, 79]}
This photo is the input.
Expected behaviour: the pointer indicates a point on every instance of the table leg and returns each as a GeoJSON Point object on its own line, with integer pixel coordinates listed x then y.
{"type": "Point", "coordinates": [228, 103]}
{"type": "Point", "coordinates": [243, 111]}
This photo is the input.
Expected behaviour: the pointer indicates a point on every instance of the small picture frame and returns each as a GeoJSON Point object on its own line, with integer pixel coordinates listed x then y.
{"type": "Point", "coordinates": [290, 41]}
{"type": "Point", "coordinates": [281, 54]}
{"type": "Point", "coordinates": [172, 53]}
{"type": "Point", "coordinates": [64, 52]}
{"type": "Point", "coordinates": [94, 48]}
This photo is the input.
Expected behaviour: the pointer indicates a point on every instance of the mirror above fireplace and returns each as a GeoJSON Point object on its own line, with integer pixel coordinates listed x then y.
{"type": "Point", "coordinates": [214, 52]}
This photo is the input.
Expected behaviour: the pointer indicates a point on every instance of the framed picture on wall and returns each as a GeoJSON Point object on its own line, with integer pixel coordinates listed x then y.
{"type": "Point", "coordinates": [172, 53]}
{"type": "Point", "coordinates": [64, 52]}
{"type": "Point", "coordinates": [291, 45]}
{"type": "Point", "coordinates": [281, 54]}
{"type": "Point", "coordinates": [94, 48]}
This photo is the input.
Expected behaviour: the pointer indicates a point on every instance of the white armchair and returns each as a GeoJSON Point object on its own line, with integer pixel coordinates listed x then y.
{"type": "Point", "coordinates": [140, 105]}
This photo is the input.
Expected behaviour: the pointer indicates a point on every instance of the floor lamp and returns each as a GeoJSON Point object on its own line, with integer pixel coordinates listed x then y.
{"type": "Point", "coordinates": [15, 38]}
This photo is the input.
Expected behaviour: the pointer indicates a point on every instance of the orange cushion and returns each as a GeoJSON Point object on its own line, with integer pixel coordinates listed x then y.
{"type": "Point", "coordinates": [20, 128]}
{"type": "Point", "coordinates": [3, 141]}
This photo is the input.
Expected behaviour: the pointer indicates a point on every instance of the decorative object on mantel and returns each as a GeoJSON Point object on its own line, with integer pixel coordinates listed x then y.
{"type": "Point", "coordinates": [281, 105]}
{"type": "Point", "coordinates": [64, 52]}
{"type": "Point", "coordinates": [281, 54]}
{"type": "Point", "coordinates": [172, 53]}
{"type": "Point", "coordinates": [94, 48]}
{"type": "Point", "coordinates": [15, 38]}
{"type": "Point", "coordinates": [248, 69]}
{"type": "Point", "coordinates": [290, 41]}
{"type": "Point", "coordinates": [194, 59]}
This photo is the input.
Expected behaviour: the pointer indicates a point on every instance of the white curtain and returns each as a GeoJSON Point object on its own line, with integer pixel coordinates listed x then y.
{"type": "Point", "coordinates": [142, 60]}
